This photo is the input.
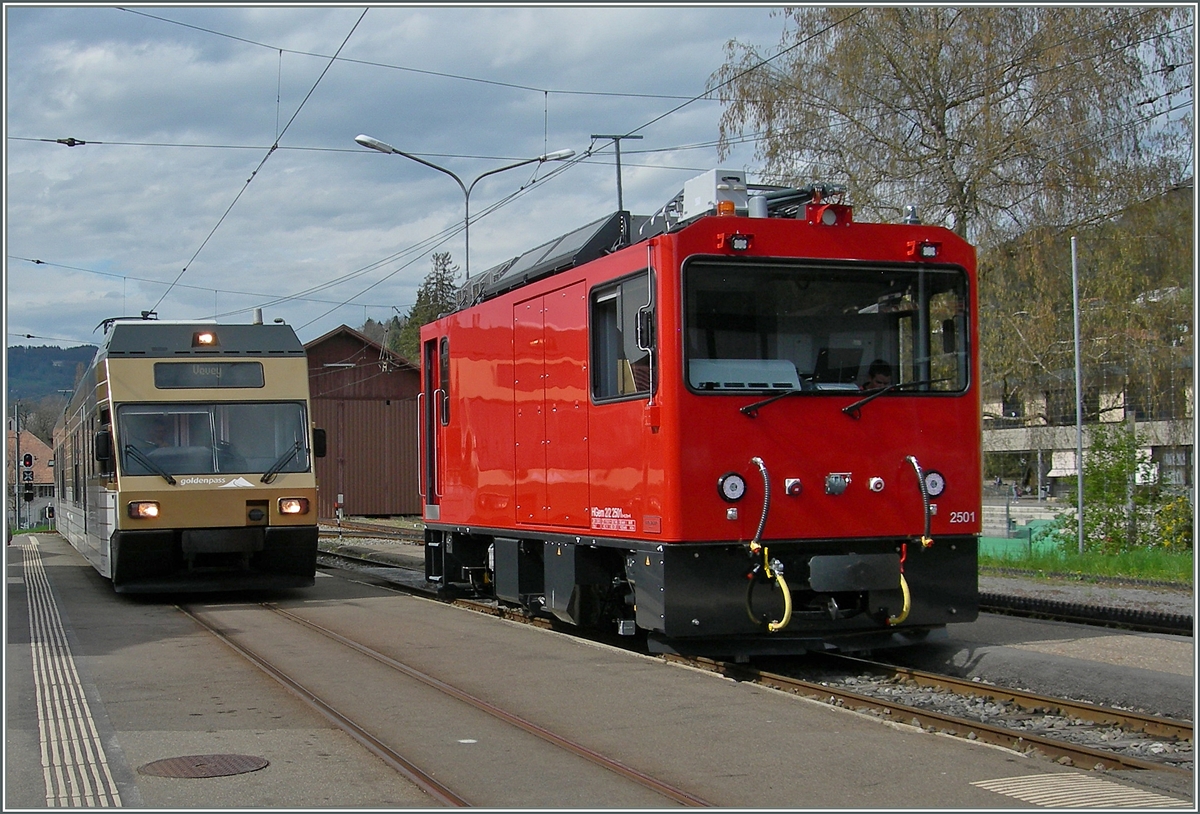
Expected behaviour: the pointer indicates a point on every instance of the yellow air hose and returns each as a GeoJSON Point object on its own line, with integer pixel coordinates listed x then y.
{"type": "Point", "coordinates": [895, 620]}
{"type": "Point", "coordinates": [787, 605]}
{"type": "Point", "coordinates": [756, 546]}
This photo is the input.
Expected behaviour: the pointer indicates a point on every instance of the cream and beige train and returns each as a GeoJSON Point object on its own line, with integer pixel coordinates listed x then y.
{"type": "Point", "coordinates": [184, 460]}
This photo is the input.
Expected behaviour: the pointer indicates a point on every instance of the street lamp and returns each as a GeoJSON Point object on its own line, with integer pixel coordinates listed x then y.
{"type": "Point", "coordinates": [384, 147]}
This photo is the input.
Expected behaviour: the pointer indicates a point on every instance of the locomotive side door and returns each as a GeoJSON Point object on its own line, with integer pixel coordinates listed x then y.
{"type": "Point", "coordinates": [551, 407]}
{"type": "Point", "coordinates": [433, 418]}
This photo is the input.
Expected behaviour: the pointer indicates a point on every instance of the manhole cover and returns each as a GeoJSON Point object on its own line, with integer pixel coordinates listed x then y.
{"type": "Point", "coordinates": [204, 766]}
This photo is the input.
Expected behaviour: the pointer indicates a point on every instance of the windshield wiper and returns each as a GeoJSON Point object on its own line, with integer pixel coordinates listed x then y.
{"type": "Point", "coordinates": [270, 474]}
{"type": "Point", "coordinates": [852, 410]}
{"type": "Point", "coordinates": [145, 461]}
{"type": "Point", "coordinates": [752, 409]}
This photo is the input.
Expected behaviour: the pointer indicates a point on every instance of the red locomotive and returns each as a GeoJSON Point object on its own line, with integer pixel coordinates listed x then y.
{"type": "Point", "coordinates": [745, 425]}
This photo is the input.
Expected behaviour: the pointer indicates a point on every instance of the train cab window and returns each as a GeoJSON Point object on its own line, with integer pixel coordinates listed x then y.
{"type": "Point", "coordinates": [622, 339]}
{"type": "Point", "coordinates": [218, 438]}
{"type": "Point", "coordinates": [763, 326]}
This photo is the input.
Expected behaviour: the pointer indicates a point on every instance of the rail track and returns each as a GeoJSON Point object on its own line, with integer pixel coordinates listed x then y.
{"type": "Point", "coordinates": [425, 778]}
{"type": "Point", "coordinates": [1070, 732]}
{"type": "Point", "coordinates": [422, 779]}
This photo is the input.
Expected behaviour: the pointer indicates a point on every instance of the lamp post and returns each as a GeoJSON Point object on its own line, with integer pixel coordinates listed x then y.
{"type": "Point", "coordinates": [384, 147]}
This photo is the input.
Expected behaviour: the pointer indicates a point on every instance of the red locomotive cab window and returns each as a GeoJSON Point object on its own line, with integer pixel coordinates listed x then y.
{"type": "Point", "coordinates": [830, 328]}
{"type": "Point", "coordinates": [623, 339]}
{"type": "Point", "coordinates": [443, 393]}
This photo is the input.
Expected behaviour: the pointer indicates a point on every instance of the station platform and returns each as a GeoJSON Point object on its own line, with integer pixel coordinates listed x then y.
{"type": "Point", "coordinates": [154, 686]}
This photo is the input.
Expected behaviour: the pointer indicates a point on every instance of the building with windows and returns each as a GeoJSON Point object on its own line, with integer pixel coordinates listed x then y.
{"type": "Point", "coordinates": [37, 480]}
{"type": "Point", "coordinates": [1032, 442]}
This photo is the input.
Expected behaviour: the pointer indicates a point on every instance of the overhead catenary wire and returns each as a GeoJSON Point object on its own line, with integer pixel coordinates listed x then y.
{"type": "Point", "coordinates": [151, 281]}
{"type": "Point", "coordinates": [337, 57]}
{"type": "Point", "coordinates": [568, 164]}
{"type": "Point", "coordinates": [272, 149]}
{"type": "Point", "coordinates": [408, 69]}
{"type": "Point", "coordinates": [559, 169]}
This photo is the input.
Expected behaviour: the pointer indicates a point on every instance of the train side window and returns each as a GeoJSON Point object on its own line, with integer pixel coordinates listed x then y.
{"type": "Point", "coordinates": [622, 339]}
{"type": "Point", "coordinates": [444, 381]}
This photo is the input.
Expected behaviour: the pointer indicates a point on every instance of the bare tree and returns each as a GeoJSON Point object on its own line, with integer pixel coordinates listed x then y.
{"type": "Point", "coordinates": [41, 417]}
{"type": "Point", "coordinates": [993, 119]}
{"type": "Point", "coordinates": [1136, 314]}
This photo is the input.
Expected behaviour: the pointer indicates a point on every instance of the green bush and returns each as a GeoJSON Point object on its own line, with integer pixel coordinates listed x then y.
{"type": "Point", "coordinates": [1124, 508]}
{"type": "Point", "coordinates": [1173, 523]}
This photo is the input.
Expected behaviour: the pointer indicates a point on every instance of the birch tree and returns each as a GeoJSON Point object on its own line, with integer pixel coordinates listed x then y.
{"type": "Point", "coordinates": [992, 119]}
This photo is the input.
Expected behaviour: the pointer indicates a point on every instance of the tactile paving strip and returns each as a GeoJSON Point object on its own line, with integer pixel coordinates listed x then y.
{"type": "Point", "coordinates": [1077, 791]}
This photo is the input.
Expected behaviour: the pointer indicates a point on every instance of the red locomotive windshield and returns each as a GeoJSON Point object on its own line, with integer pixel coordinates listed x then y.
{"type": "Point", "coordinates": [766, 326]}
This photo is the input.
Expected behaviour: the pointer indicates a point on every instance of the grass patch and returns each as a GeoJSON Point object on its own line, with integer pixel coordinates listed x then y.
{"type": "Point", "coordinates": [1143, 564]}
{"type": "Point", "coordinates": [34, 530]}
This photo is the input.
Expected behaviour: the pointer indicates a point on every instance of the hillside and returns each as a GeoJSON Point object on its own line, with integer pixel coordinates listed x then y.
{"type": "Point", "coordinates": [37, 372]}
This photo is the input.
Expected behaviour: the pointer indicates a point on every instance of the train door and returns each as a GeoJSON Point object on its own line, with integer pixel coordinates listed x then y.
{"type": "Point", "coordinates": [551, 407]}
{"type": "Point", "coordinates": [434, 415]}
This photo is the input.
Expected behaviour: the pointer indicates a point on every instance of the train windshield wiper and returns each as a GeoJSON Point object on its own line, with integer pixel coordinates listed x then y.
{"type": "Point", "coordinates": [752, 409]}
{"type": "Point", "coordinates": [270, 474]}
{"type": "Point", "coordinates": [852, 409]}
{"type": "Point", "coordinates": [145, 461]}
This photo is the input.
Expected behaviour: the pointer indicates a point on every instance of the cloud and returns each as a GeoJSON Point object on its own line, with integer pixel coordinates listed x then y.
{"type": "Point", "coordinates": [180, 106]}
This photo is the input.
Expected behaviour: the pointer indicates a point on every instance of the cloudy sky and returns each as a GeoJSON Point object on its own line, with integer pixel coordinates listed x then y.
{"type": "Point", "coordinates": [179, 107]}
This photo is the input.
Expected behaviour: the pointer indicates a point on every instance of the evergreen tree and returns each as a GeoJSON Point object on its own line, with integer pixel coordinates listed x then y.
{"type": "Point", "coordinates": [375, 331]}
{"type": "Point", "coordinates": [435, 297]}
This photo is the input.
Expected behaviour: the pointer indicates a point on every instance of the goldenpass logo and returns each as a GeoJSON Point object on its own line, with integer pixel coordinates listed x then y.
{"type": "Point", "coordinates": [236, 483]}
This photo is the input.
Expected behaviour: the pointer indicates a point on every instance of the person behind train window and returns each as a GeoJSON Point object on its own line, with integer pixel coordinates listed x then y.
{"type": "Point", "coordinates": [154, 432]}
{"type": "Point", "coordinates": [879, 375]}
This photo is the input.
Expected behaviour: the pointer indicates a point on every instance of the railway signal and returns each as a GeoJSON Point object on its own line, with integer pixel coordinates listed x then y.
{"type": "Point", "coordinates": [27, 477]}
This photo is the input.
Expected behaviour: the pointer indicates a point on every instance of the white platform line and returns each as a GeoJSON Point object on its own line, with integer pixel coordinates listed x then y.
{"type": "Point", "coordinates": [74, 765]}
{"type": "Point", "coordinates": [1077, 791]}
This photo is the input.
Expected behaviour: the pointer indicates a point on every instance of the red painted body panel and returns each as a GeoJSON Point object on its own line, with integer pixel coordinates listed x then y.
{"type": "Point", "coordinates": [526, 447]}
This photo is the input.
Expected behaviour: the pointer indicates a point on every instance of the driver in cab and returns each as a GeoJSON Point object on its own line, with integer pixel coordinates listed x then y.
{"type": "Point", "coordinates": [879, 375]}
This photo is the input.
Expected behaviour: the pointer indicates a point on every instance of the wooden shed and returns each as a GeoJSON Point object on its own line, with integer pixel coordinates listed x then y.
{"type": "Point", "coordinates": [365, 398]}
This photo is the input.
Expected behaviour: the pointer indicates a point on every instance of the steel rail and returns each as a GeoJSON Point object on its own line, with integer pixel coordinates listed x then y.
{"type": "Point", "coordinates": [629, 773]}
{"type": "Point", "coordinates": [1002, 736]}
{"type": "Point", "coordinates": [331, 528]}
{"type": "Point", "coordinates": [1148, 724]}
{"type": "Point", "coordinates": [398, 762]}
{"type": "Point", "coordinates": [927, 719]}
{"type": "Point", "coordinates": [363, 534]}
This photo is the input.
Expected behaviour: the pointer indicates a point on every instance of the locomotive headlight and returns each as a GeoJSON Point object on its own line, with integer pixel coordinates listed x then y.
{"type": "Point", "coordinates": [924, 249]}
{"type": "Point", "coordinates": [736, 242]}
{"type": "Point", "coordinates": [935, 484]}
{"type": "Point", "coordinates": [143, 509]}
{"type": "Point", "coordinates": [732, 486]}
{"type": "Point", "coordinates": [293, 505]}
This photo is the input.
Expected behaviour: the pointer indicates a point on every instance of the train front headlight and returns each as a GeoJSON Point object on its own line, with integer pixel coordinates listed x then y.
{"type": "Point", "coordinates": [143, 509]}
{"type": "Point", "coordinates": [293, 505]}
